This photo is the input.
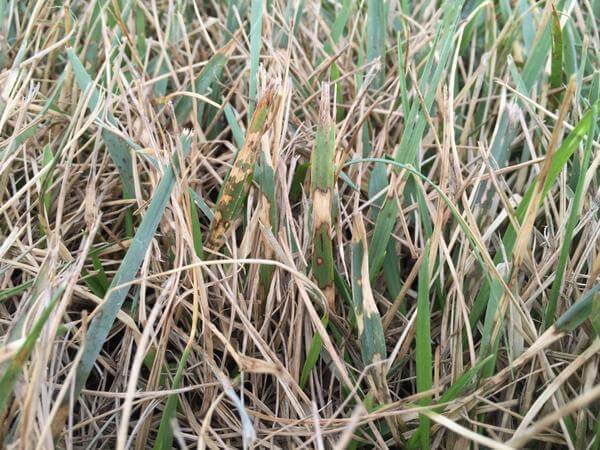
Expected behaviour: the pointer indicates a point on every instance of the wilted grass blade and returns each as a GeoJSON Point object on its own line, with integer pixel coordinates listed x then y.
{"type": "Point", "coordinates": [14, 368]}
{"type": "Point", "coordinates": [196, 231]}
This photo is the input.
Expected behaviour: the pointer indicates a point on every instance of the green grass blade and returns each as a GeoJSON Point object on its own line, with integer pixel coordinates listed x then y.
{"type": "Point", "coordinates": [556, 71]}
{"type": "Point", "coordinates": [402, 75]}
{"type": "Point", "coordinates": [337, 29]}
{"type": "Point", "coordinates": [297, 182]}
{"type": "Point", "coordinates": [265, 178]}
{"type": "Point", "coordinates": [527, 24]}
{"type": "Point", "coordinates": [416, 121]}
{"type": "Point", "coordinates": [102, 324]}
{"type": "Point", "coordinates": [453, 209]}
{"type": "Point", "coordinates": [384, 226]}
{"type": "Point", "coordinates": [489, 343]}
{"type": "Point", "coordinates": [48, 158]}
{"type": "Point", "coordinates": [256, 14]}
{"type": "Point", "coordinates": [164, 438]}
{"type": "Point", "coordinates": [391, 274]}
{"type": "Point", "coordinates": [570, 227]}
{"type": "Point", "coordinates": [199, 201]}
{"type": "Point", "coordinates": [569, 145]}
{"type": "Point", "coordinates": [537, 59]}
{"type": "Point", "coordinates": [98, 282]}
{"type": "Point", "coordinates": [236, 131]}
{"type": "Point", "coordinates": [313, 354]}
{"type": "Point", "coordinates": [424, 360]}
{"type": "Point", "coordinates": [205, 79]}
{"type": "Point", "coordinates": [16, 290]}
{"type": "Point", "coordinates": [118, 149]}
{"type": "Point", "coordinates": [428, 83]}
{"type": "Point", "coordinates": [559, 160]}
{"type": "Point", "coordinates": [459, 387]}
{"type": "Point", "coordinates": [596, 443]}
{"type": "Point", "coordinates": [376, 33]}
{"type": "Point", "coordinates": [581, 310]}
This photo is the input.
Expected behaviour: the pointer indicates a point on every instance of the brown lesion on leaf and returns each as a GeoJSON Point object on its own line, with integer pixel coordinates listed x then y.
{"type": "Point", "coordinates": [324, 109]}
{"type": "Point", "coordinates": [329, 296]}
{"type": "Point", "coordinates": [321, 208]}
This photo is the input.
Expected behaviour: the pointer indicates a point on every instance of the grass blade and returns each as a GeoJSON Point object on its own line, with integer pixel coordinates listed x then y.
{"type": "Point", "coordinates": [580, 311]}
{"type": "Point", "coordinates": [118, 149]}
{"type": "Point", "coordinates": [313, 354]}
{"type": "Point", "coordinates": [14, 368]}
{"type": "Point", "coordinates": [256, 14]}
{"type": "Point", "coordinates": [164, 438]}
{"type": "Point", "coordinates": [424, 360]}
{"type": "Point", "coordinates": [199, 201]}
{"type": "Point", "coordinates": [559, 160]}
{"type": "Point", "coordinates": [209, 74]}
{"type": "Point", "coordinates": [570, 227]}
{"type": "Point", "coordinates": [16, 290]}
{"type": "Point", "coordinates": [458, 388]}
{"type": "Point", "coordinates": [416, 122]}
{"type": "Point", "coordinates": [489, 344]}
{"type": "Point", "coordinates": [238, 181]}
{"type": "Point", "coordinates": [368, 319]}
{"type": "Point", "coordinates": [321, 187]}
{"type": "Point", "coordinates": [196, 231]}
{"type": "Point", "coordinates": [101, 325]}
{"type": "Point", "coordinates": [556, 71]}
{"type": "Point", "coordinates": [46, 194]}
{"type": "Point", "coordinates": [384, 226]}
{"type": "Point", "coordinates": [376, 31]}
{"type": "Point", "coordinates": [265, 178]}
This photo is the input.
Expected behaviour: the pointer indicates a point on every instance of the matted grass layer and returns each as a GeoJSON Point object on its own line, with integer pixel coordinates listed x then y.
{"type": "Point", "coordinates": [299, 224]}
